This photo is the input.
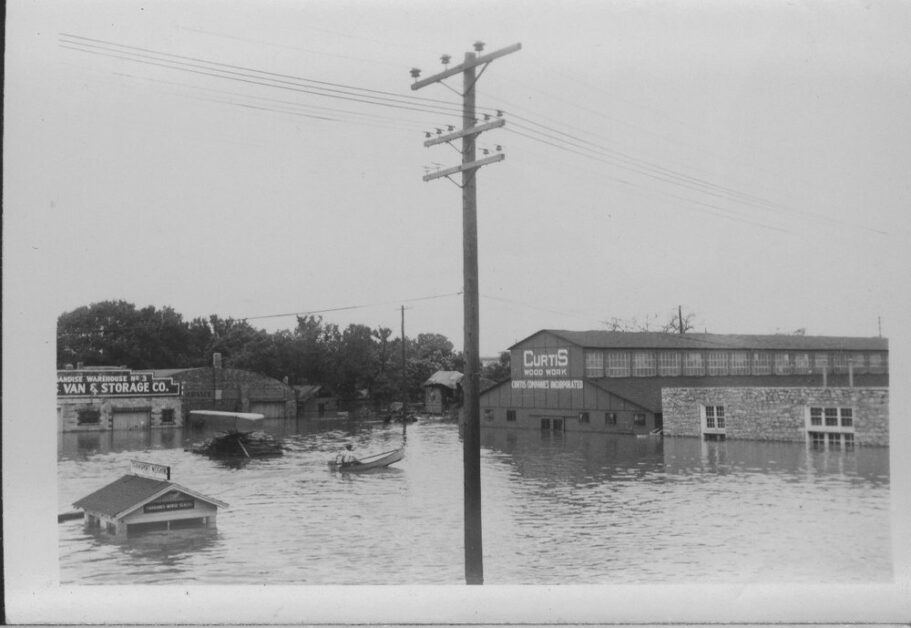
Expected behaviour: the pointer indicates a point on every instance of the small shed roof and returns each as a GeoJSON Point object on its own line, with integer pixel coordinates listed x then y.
{"type": "Point", "coordinates": [130, 492]}
{"type": "Point", "coordinates": [449, 379]}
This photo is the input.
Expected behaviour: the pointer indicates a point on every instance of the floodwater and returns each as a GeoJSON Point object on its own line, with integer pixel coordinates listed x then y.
{"type": "Point", "coordinates": [557, 509]}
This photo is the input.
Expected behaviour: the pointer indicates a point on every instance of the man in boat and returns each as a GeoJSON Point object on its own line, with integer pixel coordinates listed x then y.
{"type": "Point", "coordinates": [345, 457]}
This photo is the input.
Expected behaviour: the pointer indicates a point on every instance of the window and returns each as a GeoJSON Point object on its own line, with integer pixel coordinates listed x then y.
{"type": "Point", "coordinates": [714, 417]}
{"type": "Point", "coordinates": [617, 364]}
{"type": "Point", "coordinates": [840, 363]}
{"type": "Point", "coordinates": [847, 417]}
{"type": "Point", "coordinates": [802, 363]}
{"type": "Point", "coordinates": [88, 416]}
{"type": "Point", "coordinates": [876, 363]}
{"type": "Point", "coordinates": [740, 363]}
{"type": "Point", "coordinates": [832, 427]}
{"type": "Point", "coordinates": [639, 419]}
{"type": "Point", "coordinates": [167, 416]}
{"type": "Point", "coordinates": [610, 418]}
{"type": "Point", "coordinates": [820, 362]}
{"type": "Point", "coordinates": [761, 364]}
{"type": "Point", "coordinates": [815, 416]}
{"type": "Point", "coordinates": [510, 416]}
{"type": "Point", "coordinates": [584, 417]}
{"type": "Point", "coordinates": [488, 414]}
{"type": "Point", "coordinates": [669, 363]}
{"type": "Point", "coordinates": [718, 363]}
{"type": "Point", "coordinates": [643, 364]}
{"type": "Point", "coordinates": [858, 362]}
{"type": "Point", "coordinates": [782, 364]}
{"type": "Point", "coordinates": [692, 363]}
{"type": "Point", "coordinates": [594, 364]}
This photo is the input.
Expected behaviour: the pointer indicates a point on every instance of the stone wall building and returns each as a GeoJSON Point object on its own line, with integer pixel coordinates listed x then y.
{"type": "Point", "coordinates": [818, 389]}
{"type": "Point", "coordinates": [822, 416]}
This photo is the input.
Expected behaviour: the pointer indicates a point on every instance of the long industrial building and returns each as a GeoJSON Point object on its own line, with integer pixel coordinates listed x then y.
{"type": "Point", "coordinates": [825, 390]}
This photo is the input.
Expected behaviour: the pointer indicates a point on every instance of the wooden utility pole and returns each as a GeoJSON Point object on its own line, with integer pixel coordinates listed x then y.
{"type": "Point", "coordinates": [471, 453]}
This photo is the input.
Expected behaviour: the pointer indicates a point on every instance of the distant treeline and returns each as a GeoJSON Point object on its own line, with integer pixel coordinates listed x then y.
{"type": "Point", "coordinates": [349, 361]}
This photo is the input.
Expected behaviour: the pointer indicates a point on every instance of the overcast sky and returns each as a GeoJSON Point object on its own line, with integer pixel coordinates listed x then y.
{"type": "Point", "coordinates": [747, 161]}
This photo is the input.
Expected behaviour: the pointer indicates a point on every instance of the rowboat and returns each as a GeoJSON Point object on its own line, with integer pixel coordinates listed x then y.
{"type": "Point", "coordinates": [370, 462]}
{"type": "Point", "coordinates": [237, 421]}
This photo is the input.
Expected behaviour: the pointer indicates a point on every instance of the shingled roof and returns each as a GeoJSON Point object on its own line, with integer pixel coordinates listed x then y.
{"type": "Point", "coordinates": [130, 492]}
{"type": "Point", "coordinates": [450, 379]}
{"type": "Point", "coordinates": [600, 339]}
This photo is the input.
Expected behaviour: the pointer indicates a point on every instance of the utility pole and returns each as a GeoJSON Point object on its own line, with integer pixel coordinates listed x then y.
{"type": "Point", "coordinates": [471, 448]}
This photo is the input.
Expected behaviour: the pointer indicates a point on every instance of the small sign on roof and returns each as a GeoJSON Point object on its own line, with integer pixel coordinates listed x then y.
{"type": "Point", "coordinates": [149, 470]}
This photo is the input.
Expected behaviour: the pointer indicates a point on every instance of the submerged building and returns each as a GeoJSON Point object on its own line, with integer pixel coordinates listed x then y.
{"type": "Point", "coordinates": [118, 398]}
{"type": "Point", "coordinates": [820, 389]}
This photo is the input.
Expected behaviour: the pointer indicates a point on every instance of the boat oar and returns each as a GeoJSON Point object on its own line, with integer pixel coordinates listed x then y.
{"type": "Point", "coordinates": [244, 449]}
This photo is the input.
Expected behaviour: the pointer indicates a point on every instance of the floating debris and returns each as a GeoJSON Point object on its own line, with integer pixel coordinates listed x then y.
{"type": "Point", "coordinates": [239, 444]}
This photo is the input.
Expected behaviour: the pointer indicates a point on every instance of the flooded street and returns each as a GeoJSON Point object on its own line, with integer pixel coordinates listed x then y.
{"type": "Point", "coordinates": [557, 509]}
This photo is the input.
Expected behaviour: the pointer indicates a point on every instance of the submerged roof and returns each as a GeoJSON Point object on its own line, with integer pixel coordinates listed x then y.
{"type": "Point", "coordinates": [450, 379]}
{"type": "Point", "coordinates": [602, 339]}
{"type": "Point", "coordinates": [130, 492]}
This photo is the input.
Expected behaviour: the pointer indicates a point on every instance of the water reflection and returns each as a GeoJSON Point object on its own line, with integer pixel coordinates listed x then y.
{"type": "Point", "coordinates": [557, 508]}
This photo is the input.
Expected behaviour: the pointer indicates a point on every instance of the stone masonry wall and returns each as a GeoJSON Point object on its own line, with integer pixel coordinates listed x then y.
{"type": "Point", "coordinates": [775, 413]}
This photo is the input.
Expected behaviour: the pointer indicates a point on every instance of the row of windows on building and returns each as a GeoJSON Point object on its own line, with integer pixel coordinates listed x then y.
{"type": "Point", "coordinates": [585, 418]}
{"type": "Point", "coordinates": [92, 416]}
{"type": "Point", "coordinates": [614, 363]}
{"type": "Point", "coordinates": [828, 427]}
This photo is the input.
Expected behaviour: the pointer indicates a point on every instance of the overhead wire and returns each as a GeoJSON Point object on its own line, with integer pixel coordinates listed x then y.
{"type": "Point", "coordinates": [535, 131]}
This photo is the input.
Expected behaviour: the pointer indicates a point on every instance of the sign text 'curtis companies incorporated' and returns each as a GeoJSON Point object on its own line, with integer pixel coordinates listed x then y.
{"type": "Point", "coordinates": [547, 384]}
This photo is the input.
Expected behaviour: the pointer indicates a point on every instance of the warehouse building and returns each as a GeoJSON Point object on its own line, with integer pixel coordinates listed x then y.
{"type": "Point", "coordinates": [232, 390]}
{"type": "Point", "coordinates": [819, 389]}
{"type": "Point", "coordinates": [117, 398]}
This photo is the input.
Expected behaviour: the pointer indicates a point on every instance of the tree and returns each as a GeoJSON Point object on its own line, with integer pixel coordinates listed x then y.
{"type": "Point", "coordinates": [115, 333]}
{"type": "Point", "coordinates": [680, 324]}
{"type": "Point", "coordinates": [499, 371]}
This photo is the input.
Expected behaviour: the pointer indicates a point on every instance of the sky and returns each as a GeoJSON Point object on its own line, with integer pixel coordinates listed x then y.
{"type": "Point", "coordinates": [745, 161]}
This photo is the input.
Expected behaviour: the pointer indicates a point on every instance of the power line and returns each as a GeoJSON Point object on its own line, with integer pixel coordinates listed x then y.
{"type": "Point", "coordinates": [352, 307]}
{"type": "Point", "coordinates": [535, 131]}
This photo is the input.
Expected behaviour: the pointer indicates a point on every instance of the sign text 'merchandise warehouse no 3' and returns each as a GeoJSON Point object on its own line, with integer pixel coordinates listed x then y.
{"type": "Point", "coordinates": [114, 383]}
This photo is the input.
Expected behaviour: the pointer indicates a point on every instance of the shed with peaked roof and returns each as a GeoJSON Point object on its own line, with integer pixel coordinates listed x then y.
{"type": "Point", "coordinates": [134, 503]}
{"type": "Point", "coordinates": [442, 391]}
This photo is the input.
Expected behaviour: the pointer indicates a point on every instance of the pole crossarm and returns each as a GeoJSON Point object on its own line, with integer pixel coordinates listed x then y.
{"type": "Point", "coordinates": [474, 130]}
{"type": "Point", "coordinates": [471, 165]}
{"type": "Point", "coordinates": [483, 59]}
